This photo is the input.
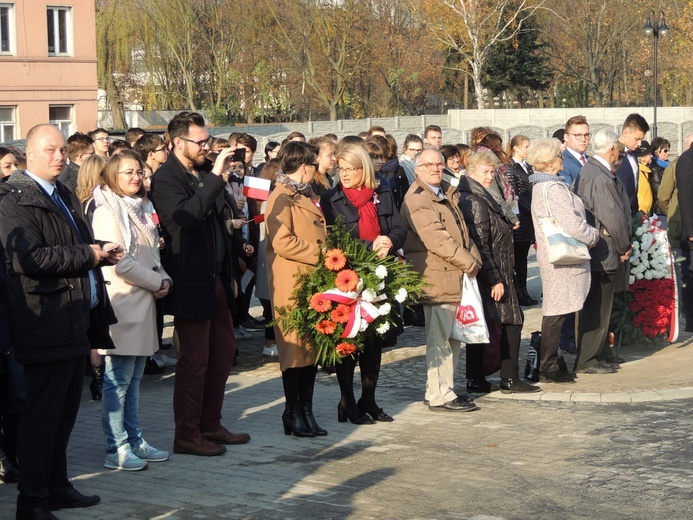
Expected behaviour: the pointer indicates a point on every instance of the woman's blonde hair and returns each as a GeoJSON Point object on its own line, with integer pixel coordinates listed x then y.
{"type": "Point", "coordinates": [89, 176]}
{"type": "Point", "coordinates": [542, 152]}
{"type": "Point", "coordinates": [484, 157]}
{"type": "Point", "coordinates": [357, 156]}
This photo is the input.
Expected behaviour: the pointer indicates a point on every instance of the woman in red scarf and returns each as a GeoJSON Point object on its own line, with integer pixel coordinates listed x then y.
{"type": "Point", "coordinates": [370, 215]}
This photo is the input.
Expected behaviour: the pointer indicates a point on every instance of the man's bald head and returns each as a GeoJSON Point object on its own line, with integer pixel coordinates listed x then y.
{"type": "Point", "coordinates": [688, 142]}
{"type": "Point", "coordinates": [45, 152]}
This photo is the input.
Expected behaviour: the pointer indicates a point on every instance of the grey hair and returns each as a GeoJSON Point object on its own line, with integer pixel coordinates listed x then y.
{"type": "Point", "coordinates": [542, 152]}
{"type": "Point", "coordinates": [486, 157]}
{"type": "Point", "coordinates": [603, 139]}
{"type": "Point", "coordinates": [417, 157]}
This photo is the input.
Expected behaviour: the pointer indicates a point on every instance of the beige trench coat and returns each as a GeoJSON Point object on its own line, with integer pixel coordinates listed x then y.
{"type": "Point", "coordinates": [295, 233]}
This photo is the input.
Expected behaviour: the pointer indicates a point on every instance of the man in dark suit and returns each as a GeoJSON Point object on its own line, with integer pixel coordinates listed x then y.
{"type": "Point", "coordinates": [684, 185]}
{"type": "Point", "coordinates": [577, 139]}
{"type": "Point", "coordinates": [58, 312]}
{"type": "Point", "coordinates": [188, 192]}
{"type": "Point", "coordinates": [608, 211]}
{"type": "Point", "coordinates": [633, 132]}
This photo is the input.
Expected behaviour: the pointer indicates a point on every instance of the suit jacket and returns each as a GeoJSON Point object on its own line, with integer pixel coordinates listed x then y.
{"type": "Point", "coordinates": [628, 178]}
{"type": "Point", "coordinates": [608, 211]}
{"type": "Point", "coordinates": [571, 168]}
{"type": "Point", "coordinates": [684, 184]}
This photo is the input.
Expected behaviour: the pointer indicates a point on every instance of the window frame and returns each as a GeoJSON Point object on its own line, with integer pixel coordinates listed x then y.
{"type": "Point", "coordinates": [59, 122]}
{"type": "Point", "coordinates": [11, 29]}
{"type": "Point", "coordinates": [12, 123]}
{"type": "Point", "coordinates": [56, 9]}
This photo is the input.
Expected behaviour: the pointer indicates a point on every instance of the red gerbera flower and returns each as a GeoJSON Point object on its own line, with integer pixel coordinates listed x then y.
{"type": "Point", "coordinates": [319, 303]}
{"type": "Point", "coordinates": [326, 327]}
{"type": "Point", "coordinates": [335, 259]}
{"type": "Point", "coordinates": [341, 313]}
{"type": "Point", "coordinates": [346, 280]}
{"type": "Point", "coordinates": [345, 349]}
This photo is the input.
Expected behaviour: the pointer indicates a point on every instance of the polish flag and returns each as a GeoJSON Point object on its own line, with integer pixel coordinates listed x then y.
{"type": "Point", "coordinates": [259, 219]}
{"type": "Point", "coordinates": [256, 188]}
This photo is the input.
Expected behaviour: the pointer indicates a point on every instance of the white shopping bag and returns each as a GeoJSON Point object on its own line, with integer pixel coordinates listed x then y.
{"type": "Point", "coordinates": [470, 325]}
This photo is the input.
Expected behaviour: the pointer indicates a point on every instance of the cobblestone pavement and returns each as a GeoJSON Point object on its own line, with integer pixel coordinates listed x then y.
{"type": "Point", "coordinates": [512, 459]}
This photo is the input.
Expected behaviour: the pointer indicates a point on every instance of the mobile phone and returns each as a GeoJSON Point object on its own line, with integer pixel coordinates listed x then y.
{"type": "Point", "coordinates": [237, 156]}
{"type": "Point", "coordinates": [112, 250]}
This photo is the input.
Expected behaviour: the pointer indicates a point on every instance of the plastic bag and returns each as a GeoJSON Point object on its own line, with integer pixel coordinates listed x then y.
{"type": "Point", "coordinates": [470, 324]}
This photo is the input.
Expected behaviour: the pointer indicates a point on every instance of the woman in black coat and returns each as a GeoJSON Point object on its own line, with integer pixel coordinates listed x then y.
{"type": "Point", "coordinates": [370, 214]}
{"type": "Point", "coordinates": [518, 176]}
{"type": "Point", "coordinates": [491, 232]}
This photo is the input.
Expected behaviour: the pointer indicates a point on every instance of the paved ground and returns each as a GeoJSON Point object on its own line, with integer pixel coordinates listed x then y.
{"type": "Point", "coordinates": [615, 446]}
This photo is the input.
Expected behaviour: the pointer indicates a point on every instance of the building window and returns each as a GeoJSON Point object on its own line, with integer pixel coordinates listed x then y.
{"type": "Point", "coordinates": [59, 31]}
{"type": "Point", "coordinates": [61, 116]}
{"type": "Point", "coordinates": [6, 28]}
{"type": "Point", "coordinates": [7, 124]}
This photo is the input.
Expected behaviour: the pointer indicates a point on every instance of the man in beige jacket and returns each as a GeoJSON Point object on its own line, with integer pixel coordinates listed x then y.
{"type": "Point", "coordinates": [439, 247]}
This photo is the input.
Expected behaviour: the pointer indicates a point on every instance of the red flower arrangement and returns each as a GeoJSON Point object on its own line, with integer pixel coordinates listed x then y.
{"type": "Point", "coordinates": [345, 349]}
{"type": "Point", "coordinates": [651, 305]}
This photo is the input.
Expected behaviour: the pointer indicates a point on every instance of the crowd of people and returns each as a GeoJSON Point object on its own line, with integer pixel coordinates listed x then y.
{"type": "Point", "coordinates": [101, 237]}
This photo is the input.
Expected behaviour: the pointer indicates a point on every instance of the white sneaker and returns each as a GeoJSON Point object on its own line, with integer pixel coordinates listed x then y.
{"type": "Point", "coordinates": [163, 360]}
{"type": "Point", "coordinates": [242, 334]}
{"type": "Point", "coordinates": [124, 459]}
{"type": "Point", "coordinates": [270, 351]}
{"type": "Point", "coordinates": [149, 453]}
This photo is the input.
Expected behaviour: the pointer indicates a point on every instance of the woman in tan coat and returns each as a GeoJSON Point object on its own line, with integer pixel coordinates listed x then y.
{"type": "Point", "coordinates": [295, 233]}
{"type": "Point", "coordinates": [133, 286]}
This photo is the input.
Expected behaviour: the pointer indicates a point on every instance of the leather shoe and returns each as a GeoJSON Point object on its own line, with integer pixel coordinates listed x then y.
{"type": "Point", "coordinates": [199, 446]}
{"type": "Point", "coordinates": [34, 513]}
{"type": "Point", "coordinates": [479, 386]}
{"type": "Point", "coordinates": [555, 376]}
{"type": "Point", "coordinates": [517, 386]}
{"type": "Point", "coordinates": [8, 473]}
{"type": "Point", "coordinates": [71, 499]}
{"type": "Point", "coordinates": [599, 368]}
{"type": "Point", "coordinates": [615, 359]}
{"type": "Point", "coordinates": [224, 436]}
{"type": "Point", "coordinates": [456, 405]}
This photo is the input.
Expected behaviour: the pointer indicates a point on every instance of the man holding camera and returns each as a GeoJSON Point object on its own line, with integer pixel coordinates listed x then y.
{"type": "Point", "coordinates": [188, 192]}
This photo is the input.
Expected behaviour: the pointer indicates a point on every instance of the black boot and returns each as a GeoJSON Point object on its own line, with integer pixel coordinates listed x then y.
{"type": "Point", "coordinates": [305, 398]}
{"type": "Point", "coordinates": [516, 386]}
{"type": "Point", "coordinates": [479, 386]}
{"type": "Point", "coordinates": [347, 408]}
{"type": "Point", "coordinates": [96, 385]}
{"type": "Point", "coordinates": [292, 418]}
{"type": "Point", "coordinates": [526, 296]}
{"type": "Point", "coordinates": [369, 361]}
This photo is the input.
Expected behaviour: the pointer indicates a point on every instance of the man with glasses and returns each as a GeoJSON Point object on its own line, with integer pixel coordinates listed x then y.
{"type": "Point", "coordinates": [633, 132]}
{"type": "Point", "coordinates": [152, 150]}
{"type": "Point", "coordinates": [79, 147]}
{"type": "Point", "coordinates": [439, 247]}
{"type": "Point", "coordinates": [101, 141]}
{"type": "Point", "coordinates": [413, 145]}
{"type": "Point", "coordinates": [577, 139]}
{"type": "Point", "coordinates": [188, 192]}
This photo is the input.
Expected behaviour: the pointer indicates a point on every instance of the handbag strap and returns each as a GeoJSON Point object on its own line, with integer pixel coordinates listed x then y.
{"type": "Point", "coordinates": [545, 193]}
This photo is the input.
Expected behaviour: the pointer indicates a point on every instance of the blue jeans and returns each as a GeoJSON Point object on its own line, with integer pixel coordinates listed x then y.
{"type": "Point", "coordinates": [120, 401]}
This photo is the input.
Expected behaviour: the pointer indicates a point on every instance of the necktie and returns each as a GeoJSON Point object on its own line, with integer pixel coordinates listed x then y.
{"type": "Point", "coordinates": [66, 212]}
{"type": "Point", "coordinates": [582, 159]}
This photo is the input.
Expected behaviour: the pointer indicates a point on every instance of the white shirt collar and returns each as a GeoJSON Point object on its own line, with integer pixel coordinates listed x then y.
{"type": "Point", "coordinates": [47, 186]}
{"type": "Point", "coordinates": [575, 154]}
{"type": "Point", "coordinates": [603, 161]}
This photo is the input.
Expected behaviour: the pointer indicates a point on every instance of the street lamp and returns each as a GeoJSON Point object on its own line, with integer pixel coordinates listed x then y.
{"type": "Point", "coordinates": [656, 29]}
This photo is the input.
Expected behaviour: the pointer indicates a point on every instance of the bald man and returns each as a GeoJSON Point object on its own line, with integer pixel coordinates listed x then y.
{"type": "Point", "coordinates": [58, 312]}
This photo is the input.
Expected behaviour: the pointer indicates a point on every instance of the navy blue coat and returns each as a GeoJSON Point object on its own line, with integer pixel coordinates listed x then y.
{"type": "Point", "coordinates": [571, 168]}
{"type": "Point", "coordinates": [627, 178]}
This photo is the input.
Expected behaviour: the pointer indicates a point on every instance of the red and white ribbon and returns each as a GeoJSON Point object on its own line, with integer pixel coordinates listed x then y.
{"type": "Point", "coordinates": [359, 309]}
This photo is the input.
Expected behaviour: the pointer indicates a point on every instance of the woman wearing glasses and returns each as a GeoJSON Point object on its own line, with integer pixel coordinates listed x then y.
{"type": "Point", "coordinates": [295, 232]}
{"type": "Point", "coordinates": [659, 163]}
{"type": "Point", "coordinates": [370, 214]}
{"type": "Point", "coordinates": [491, 231]}
{"type": "Point", "coordinates": [133, 287]}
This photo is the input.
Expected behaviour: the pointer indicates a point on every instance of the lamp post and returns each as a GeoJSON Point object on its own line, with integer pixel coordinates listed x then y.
{"type": "Point", "coordinates": [655, 26]}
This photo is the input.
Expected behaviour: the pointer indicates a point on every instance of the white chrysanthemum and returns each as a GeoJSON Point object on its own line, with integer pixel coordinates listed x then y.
{"type": "Point", "coordinates": [383, 328]}
{"type": "Point", "coordinates": [359, 285]}
{"type": "Point", "coordinates": [648, 275]}
{"type": "Point", "coordinates": [631, 280]}
{"type": "Point", "coordinates": [368, 295]}
{"type": "Point", "coordinates": [639, 276]}
{"type": "Point", "coordinates": [634, 261]}
{"type": "Point", "coordinates": [363, 326]}
{"type": "Point", "coordinates": [381, 272]}
{"type": "Point", "coordinates": [401, 295]}
{"type": "Point", "coordinates": [385, 309]}
{"type": "Point", "coordinates": [639, 232]}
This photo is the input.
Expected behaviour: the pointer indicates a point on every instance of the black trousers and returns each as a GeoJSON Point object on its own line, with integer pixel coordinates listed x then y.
{"type": "Point", "coordinates": [521, 252]}
{"type": "Point", "coordinates": [510, 352]}
{"type": "Point", "coordinates": [592, 322]}
{"type": "Point", "coordinates": [550, 339]}
{"type": "Point", "coordinates": [54, 392]}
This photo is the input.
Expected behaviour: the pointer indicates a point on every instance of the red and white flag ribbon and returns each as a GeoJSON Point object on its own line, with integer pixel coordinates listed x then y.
{"type": "Point", "coordinates": [256, 188]}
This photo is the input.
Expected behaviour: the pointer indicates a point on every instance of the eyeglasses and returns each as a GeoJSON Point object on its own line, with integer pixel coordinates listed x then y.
{"type": "Point", "coordinates": [432, 166]}
{"type": "Point", "coordinates": [560, 155]}
{"type": "Point", "coordinates": [204, 142]}
{"type": "Point", "coordinates": [132, 173]}
{"type": "Point", "coordinates": [314, 164]}
{"type": "Point", "coordinates": [348, 170]}
{"type": "Point", "coordinates": [165, 150]}
{"type": "Point", "coordinates": [580, 137]}
{"type": "Point", "coordinates": [664, 151]}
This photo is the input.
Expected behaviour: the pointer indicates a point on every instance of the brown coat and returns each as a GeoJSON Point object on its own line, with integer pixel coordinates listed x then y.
{"type": "Point", "coordinates": [438, 243]}
{"type": "Point", "coordinates": [295, 232]}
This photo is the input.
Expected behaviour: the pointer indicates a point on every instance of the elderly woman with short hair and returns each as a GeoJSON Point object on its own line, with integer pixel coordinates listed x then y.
{"type": "Point", "coordinates": [565, 286]}
{"type": "Point", "coordinates": [491, 231]}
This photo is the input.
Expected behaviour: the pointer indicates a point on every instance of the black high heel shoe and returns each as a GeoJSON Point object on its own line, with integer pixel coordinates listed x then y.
{"type": "Point", "coordinates": [343, 415]}
{"type": "Point", "coordinates": [96, 385]}
{"type": "Point", "coordinates": [294, 424]}
{"type": "Point", "coordinates": [377, 413]}
{"type": "Point", "coordinates": [309, 420]}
